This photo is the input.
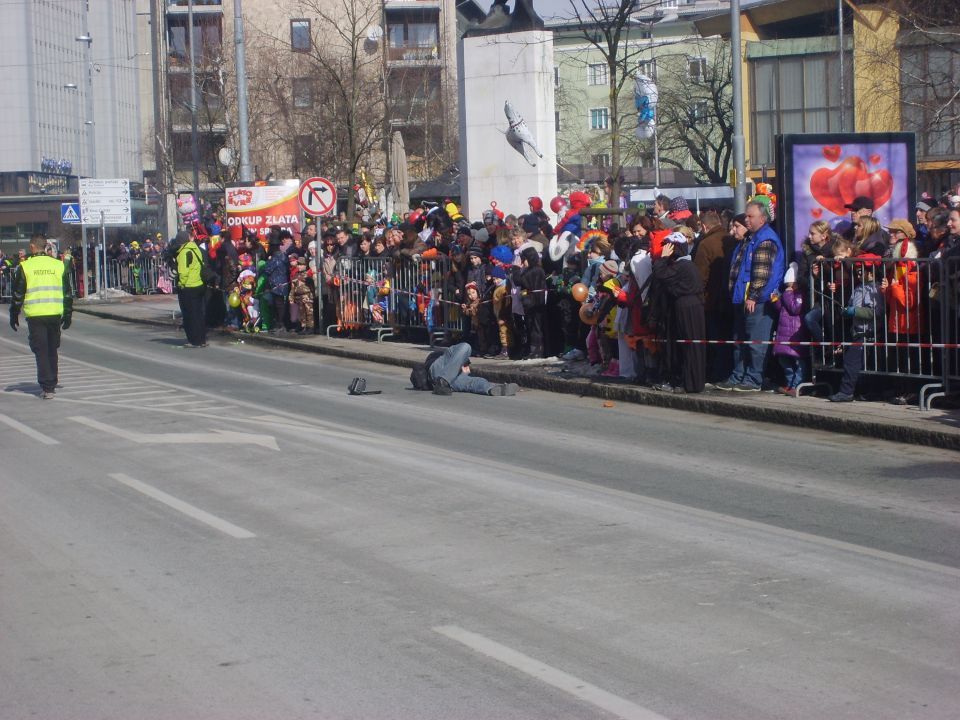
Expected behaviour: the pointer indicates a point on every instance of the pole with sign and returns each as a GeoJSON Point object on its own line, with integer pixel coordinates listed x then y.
{"type": "Point", "coordinates": [103, 202]}
{"type": "Point", "coordinates": [318, 196]}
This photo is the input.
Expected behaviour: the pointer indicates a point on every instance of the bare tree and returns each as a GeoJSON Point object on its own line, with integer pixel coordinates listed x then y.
{"type": "Point", "coordinates": [695, 110]}
{"type": "Point", "coordinates": [614, 29]}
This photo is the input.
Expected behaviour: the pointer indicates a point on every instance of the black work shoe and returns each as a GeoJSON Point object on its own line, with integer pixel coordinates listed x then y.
{"type": "Point", "coordinates": [442, 387]}
{"type": "Point", "coordinates": [504, 389]}
{"type": "Point", "coordinates": [841, 397]}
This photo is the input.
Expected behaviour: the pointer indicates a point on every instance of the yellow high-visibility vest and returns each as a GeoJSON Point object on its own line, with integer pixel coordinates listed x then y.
{"type": "Point", "coordinates": [44, 296]}
{"type": "Point", "coordinates": [189, 262]}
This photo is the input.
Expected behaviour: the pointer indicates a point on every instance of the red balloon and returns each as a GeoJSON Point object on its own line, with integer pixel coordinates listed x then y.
{"type": "Point", "coordinates": [558, 203]}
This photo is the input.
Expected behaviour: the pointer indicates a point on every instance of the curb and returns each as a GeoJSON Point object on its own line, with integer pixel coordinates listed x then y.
{"type": "Point", "coordinates": [624, 393]}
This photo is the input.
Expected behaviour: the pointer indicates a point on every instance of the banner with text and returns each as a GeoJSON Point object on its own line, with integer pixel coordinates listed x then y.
{"type": "Point", "coordinates": [259, 207]}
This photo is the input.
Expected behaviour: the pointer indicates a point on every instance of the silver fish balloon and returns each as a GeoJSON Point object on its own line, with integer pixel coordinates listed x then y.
{"type": "Point", "coordinates": [519, 135]}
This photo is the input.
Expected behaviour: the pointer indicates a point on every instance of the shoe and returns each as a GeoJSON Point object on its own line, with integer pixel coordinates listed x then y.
{"type": "Point", "coordinates": [743, 387]}
{"type": "Point", "coordinates": [574, 355]}
{"type": "Point", "coordinates": [504, 389]}
{"type": "Point", "coordinates": [47, 395]}
{"type": "Point", "coordinates": [504, 354]}
{"type": "Point", "coordinates": [726, 386]}
{"type": "Point", "coordinates": [613, 369]}
{"type": "Point", "coordinates": [442, 387]}
{"type": "Point", "coordinates": [840, 397]}
{"type": "Point", "coordinates": [789, 392]}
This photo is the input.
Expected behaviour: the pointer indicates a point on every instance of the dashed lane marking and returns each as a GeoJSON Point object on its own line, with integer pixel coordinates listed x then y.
{"type": "Point", "coordinates": [28, 431]}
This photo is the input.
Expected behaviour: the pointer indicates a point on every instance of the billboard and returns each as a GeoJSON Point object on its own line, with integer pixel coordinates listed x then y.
{"type": "Point", "coordinates": [257, 207]}
{"type": "Point", "coordinates": [821, 173]}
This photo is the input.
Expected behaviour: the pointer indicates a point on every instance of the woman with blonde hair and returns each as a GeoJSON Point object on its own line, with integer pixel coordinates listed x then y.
{"type": "Point", "coordinates": [869, 237]}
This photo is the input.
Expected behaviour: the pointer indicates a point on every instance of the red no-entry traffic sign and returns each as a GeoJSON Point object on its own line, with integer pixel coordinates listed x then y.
{"type": "Point", "coordinates": [318, 196]}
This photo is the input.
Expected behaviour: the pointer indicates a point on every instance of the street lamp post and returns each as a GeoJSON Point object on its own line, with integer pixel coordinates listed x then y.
{"type": "Point", "coordinates": [87, 40]}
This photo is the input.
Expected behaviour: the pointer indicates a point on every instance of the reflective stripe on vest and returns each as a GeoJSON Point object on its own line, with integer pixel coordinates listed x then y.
{"type": "Point", "coordinates": [44, 295]}
{"type": "Point", "coordinates": [189, 272]}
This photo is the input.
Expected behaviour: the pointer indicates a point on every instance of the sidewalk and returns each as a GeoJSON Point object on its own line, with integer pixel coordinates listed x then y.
{"type": "Point", "coordinates": [937, 428]}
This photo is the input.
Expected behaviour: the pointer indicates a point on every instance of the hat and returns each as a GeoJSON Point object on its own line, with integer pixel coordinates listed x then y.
{"type": "Point", "coordinates": [860, 203]}
{"type": "Point", "coordinates": [469, 285]}
{"type": "Point", "coordinates": [923, 206]}
{"type": "Point", "coordinates": [609, 269]}
{"type": "Point", "coordinates": [236, 232]}
{"type": "Point", "coordinates": [740, 219]}
{"type": "Point", "coordinates": [489, 217]}
{"type": "Point", "coordinates": [676, 237]}
{"type": "Point", "coordinates": [679, 204]}
{"type": "Point", "coordinates": [790, 276]}
{"type": "Point", "coordinates": [531, 224]}
{"type": "Point", "coordinates": [475, 249]}
{"type": "Point", "coordinates": [903, 226]}
{"type": "Point", "coordinates": [536, 204]}
{"type": "Point", "coordinates": [465, 231]}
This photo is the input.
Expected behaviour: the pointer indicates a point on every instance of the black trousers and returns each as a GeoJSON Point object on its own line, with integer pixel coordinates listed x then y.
{"type": "Point", "coordinates": [193, 310]}
{"type": "Point", "coordinates": [44, 336]}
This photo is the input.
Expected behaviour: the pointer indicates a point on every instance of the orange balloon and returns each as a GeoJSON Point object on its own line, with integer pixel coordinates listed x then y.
{"type": "Point", "coordinates": [587, 316]}
{"type": "Point", "coordinates": [579, 292]}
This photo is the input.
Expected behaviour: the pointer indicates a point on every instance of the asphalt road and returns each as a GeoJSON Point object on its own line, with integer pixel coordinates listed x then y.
{"type": "Point", "coordinates": [225, 533]}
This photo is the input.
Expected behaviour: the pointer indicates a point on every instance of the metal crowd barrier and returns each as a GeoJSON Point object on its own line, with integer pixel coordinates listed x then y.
{"type": "Point", "coordinates": [383, 294]}
{"type": "Point", "coordinates": [6, 286]}
{"type": "Point", "coordinates": [138, 276]}
{"type": "Point", "coordinates": [909, 338]}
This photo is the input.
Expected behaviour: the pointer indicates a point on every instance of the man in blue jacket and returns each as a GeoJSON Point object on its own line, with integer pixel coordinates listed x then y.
{"type": "Point", "coordinates": [755, 276]}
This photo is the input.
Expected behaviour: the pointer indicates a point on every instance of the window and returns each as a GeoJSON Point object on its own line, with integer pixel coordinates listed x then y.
{"type": "Point", "coordinates": [698, 69]}
{"type": "Point", "coordinates": [300, 39]}
{"type": "Point", "coordinates": [599, 119]}
{"type": "Point", "coordinates": [556, 121]}
{"type": "Point", "coordinates": [302, 93]}
{"type": "Point", "coordinates": [412, 39]}
{"type": "Point", "coordinates": [602, 160]}
{"type": "Point", "coordinates": [597, 74]}
{"type": "Point", "coordinates": [648, 68]}
{"type": "Point", "coordinates": [698, 112]}
{"type": "Point", "coordinates": [930, 93]}
{"type": "Point", "coordinates": [797, 94]}
{"type": "Point", "coordinates": [668, 3]}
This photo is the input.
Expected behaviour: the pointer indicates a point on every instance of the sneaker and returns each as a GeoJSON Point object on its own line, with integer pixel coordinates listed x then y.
{"type": "Point", "coordinates": [504, 389]}
{"type": "Point", "coordinates": [743, 387]}
{"type": "Point", "coordinates": [574, 355]}
{"type": "Point", "coordinates": [442, 387]}
{"type": "Point", "coordinates": [504, 354]}
{"type": "Point", "coordinates": [726, 386]}
{"type": "Point", "coordinates": [841, 397]}
{"type": "Point", "coordinates": [47, 395]}
{"type": "Point", "coordinates": [789, 392]}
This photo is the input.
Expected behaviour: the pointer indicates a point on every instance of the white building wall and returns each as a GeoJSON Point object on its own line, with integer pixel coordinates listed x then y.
{"type": "Point", "coordinates": [42, 118]}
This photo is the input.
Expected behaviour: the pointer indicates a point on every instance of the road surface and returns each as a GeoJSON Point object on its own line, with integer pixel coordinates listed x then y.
{"type": "Point", "coordinates": [225, 533]}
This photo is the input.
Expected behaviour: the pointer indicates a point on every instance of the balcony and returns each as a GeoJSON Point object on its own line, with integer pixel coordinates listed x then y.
{"type": "Point", "coordinates": [206, 7]}
{"type": "Point", "coordinates": [406, 56]}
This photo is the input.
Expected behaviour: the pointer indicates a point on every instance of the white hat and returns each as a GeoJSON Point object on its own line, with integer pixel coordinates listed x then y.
{"type": "Point", "coordinates": [790, 276]}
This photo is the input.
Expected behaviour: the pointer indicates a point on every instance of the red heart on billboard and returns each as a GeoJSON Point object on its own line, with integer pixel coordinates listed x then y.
{"type": "Point", "coordinates": [831, 152]}
{"type": "Point", "coordinates": [817, 213]}
{"type": "Point", "coordinates": [834, 188]}
{"type": "Point", "coordinates": [875, 159]}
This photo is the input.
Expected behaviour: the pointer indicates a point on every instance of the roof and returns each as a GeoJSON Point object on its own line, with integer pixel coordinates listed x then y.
{"type": "Point", "coordinates": [764, 12]}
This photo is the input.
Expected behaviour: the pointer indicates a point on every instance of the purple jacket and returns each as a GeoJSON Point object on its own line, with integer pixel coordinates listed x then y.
{"type": "Point", "coordinates": [790, 328]}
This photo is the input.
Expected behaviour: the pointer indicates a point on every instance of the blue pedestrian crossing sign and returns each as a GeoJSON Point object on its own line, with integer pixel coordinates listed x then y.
{"type": "Point", "coordinates": [70, 213]}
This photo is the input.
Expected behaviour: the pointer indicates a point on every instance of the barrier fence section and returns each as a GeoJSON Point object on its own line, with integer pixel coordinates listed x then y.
{"type": "Point", "coordinates": [386, 293]}
{"type": "Point", "coordinates": [138, 276]}
{"type": "Point", "coordinates": [6, 285]}
{"type": "Point", "coordinates": [912, 331]}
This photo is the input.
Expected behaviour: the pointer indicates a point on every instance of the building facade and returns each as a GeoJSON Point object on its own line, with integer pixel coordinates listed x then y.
{"type": "Point", "coordinates": [661, 42]}
{"type": "Point", "coordinates": [70, 92]}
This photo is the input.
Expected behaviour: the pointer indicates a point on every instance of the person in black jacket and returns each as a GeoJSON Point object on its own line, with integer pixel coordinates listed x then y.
{"type": "Point", "coordinates": [681, 282]}
{"type": "Point", "coordinates": [532, 281]}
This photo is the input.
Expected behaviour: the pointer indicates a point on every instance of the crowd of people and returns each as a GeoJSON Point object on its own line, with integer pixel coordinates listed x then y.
{"type": "Point", "coordinates": [623, 299]}
{"type": "Point", "coordinates": [653, 297]}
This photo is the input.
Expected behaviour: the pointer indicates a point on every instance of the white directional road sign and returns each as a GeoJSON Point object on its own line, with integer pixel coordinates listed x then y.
{"type": "Point", "coordinates": [318, 196]}
{"type": "Point", "coordinates": [111, 197]}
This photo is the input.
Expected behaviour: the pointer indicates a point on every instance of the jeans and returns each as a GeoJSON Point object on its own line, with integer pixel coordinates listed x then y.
{"type": "Point", "coordinates": [793, 370]}
{"type": "Point", "coordinates": [748, 360]}
{"type": "Point", "coordinates": [853, 358]}
{"type": "Point", "coordinates": [813, 321]}
{"type": "Point", "coordinates": [449, 366]}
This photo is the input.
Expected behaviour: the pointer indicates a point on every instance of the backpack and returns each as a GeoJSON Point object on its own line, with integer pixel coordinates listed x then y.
{"type": "Point", "coordinates": [420, 375]}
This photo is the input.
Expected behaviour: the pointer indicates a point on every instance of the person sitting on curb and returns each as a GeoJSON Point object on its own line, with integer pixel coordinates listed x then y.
{"type": "Point", "coordinates": [450, 373]}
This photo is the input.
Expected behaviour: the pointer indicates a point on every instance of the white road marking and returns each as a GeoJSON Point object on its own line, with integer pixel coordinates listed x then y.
{"type": "Point", "coordinates": [212, 437]}
{"type": "Point", "coordinates": [569, 684]}
{"type": "Point", "coordinates": [184, 507]}
{"type": "Point", "coordinates": [28, 431]}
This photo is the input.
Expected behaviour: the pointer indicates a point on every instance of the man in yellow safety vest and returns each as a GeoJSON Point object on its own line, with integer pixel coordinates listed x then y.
{"type": "Point", "coordinates": [191, 288]}
{"type": "Point", "coordinates": [42, 289]}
